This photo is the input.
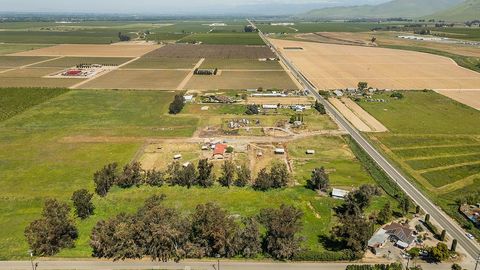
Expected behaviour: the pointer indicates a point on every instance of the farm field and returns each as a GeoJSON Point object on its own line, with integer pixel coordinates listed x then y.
{"type": "Point", "coordinates": [469, 98]}
{"type": "Point", "coordinates": [32, 77]}
{"type": "Point", "coordinates": [213, 51]}
{"type": "Point", "coordinates": [243, 80]}
{"type": "Point", "coordinates": [18, 61]}
{"type": "Point", "coordinates": [224, 38]}
{"type": "Point", "coordinates": [147, 62]}
{"type": "Point", "coordinates": [344, 66]}
{"type": "Point", "coordinates": [439, 152]}
{"type": "Point", "coordinates": [52, 141]}
{"type": "Point", "coordinates": [66, 62]}
{"type": "Point", "coordinates": [138, 79]}
{"type": "Point", "coordinates": [13, 48]}
{"type": "Point", "coordinates": [65, 139]}
{"type": "Point", "coordinates": [91, 50]}
{"type": "Point", "coordinates": [242, 64]}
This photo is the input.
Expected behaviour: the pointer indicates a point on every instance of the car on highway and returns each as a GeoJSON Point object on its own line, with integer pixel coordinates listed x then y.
{"type": "Point", "coordinates": [470, 236]}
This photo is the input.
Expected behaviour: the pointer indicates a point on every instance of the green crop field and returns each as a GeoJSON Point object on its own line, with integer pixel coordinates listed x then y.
{"type": "Point", "coordinates": [16, 100]}
{"type": "Point", "coordinates": [14, 48]}
{"type": "Point", "coordinates": [225, 38]}
{"type": "Point", "coordinates": [436, 141]}
{"type": "Point", "coordinates": [63, 140]}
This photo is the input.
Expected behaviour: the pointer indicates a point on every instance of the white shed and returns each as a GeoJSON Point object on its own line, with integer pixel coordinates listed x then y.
{"type": "Point", "coordinates": [339, 193]}
{"type": "Point", "coordinates": [177, 157]}
{"type": "Point", "coordinates": [279, 151]}
{"type": "Point", "coordinates": [310, 152]}
{"type": "Point", "coordinates": [269, 106]}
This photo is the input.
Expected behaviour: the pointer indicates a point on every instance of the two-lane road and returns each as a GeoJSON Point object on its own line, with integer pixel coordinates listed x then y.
{"type": "Point", "coordinates": [452, 228]}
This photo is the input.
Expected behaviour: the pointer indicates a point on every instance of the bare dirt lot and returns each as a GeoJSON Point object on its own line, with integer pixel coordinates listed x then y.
{"type": "Point", "coordinates": [242, 80]}
{"type": "Point", "coordinates": [468, 97]}
{"type": "Point", "coordinates": [331, 66]}
{"type": "Point", "coordinates": [91, 50]}
{"type": "Point", "coordinates": [212, 51]}
{"type": "Point", "coordinates": [18, 61]}
{"type": "Point", "coordinates": [138, 79]}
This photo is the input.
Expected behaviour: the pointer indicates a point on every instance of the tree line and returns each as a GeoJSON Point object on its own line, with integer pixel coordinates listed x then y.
{"type": "Point", "coordinates": [189, 175]}
{"type": "Point", "coordinates": [165, 234]}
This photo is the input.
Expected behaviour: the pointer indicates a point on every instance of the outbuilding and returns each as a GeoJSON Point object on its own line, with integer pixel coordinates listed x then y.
{"type": "Point", "coordinates": [177, 156]}
{"type": "Point", "coordinates": [279, 151]}
{"type": "Point", "coordinates": [310, 152]}
{"type": "Point", "coordinates": [339, 193]}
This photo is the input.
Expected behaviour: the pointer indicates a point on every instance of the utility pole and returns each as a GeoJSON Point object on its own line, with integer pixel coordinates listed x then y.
{"type": "Point", "coordinates": [478, 261]}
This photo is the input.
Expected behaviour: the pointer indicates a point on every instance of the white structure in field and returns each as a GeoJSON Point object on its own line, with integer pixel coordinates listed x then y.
{"type": "Point", "coordinates": [339, 193]}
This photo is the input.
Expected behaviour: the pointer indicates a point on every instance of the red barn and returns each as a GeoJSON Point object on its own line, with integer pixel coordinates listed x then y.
{"type": "Point", "coordinates": [219, 150]}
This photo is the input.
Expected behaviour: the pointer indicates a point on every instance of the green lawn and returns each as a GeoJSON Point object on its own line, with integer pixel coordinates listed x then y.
{"type": "Point", "coordinates": [435, 140]}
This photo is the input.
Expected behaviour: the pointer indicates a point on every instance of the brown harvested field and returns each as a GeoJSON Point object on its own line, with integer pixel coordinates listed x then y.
{"type": "Point", "coordinates": [162, 63]}
{"type": "Point", "coordinates": [212, 51]}
{"type": "Point", "coordinates": [32, 77]}
{"type": "Point", "coordinates": [389, 38]}
{"type": "Point", "coordinates": [242, 80]}
{"type": "Point", "coordinates": [91, 50]}
{"type": "Point", "coordinates": [66, 62]}
{"type": "Point", "coordinates": [468, 97]}
{"type": "Point", "coordinates": [279, 100]}
{"type": "Point", "coordinates": [18, 61]}
{"type": "Point", "coordinates": [138, 79]}
{"type": "Point", "coordinates": [241, 64]}
{"type": "Point", "coordinates": [331, 66]}
{"type": "Point", "coordinates": [368, 119]}
{"type": "Point", "coordinates": [351, 116]}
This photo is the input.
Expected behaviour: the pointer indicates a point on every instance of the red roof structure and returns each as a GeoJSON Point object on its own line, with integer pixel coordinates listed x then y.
{"type": "Point", "coordinates": [74, 72]}
{"type": "Point", "coordinates": [220, 149]}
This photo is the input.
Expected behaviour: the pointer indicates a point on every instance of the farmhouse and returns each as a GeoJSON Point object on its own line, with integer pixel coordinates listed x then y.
{"type": "Point", "coordinates": [219, 151]}
{"type": "Point", "coordinates": [401, 234]}
{"type": "Point", "coordinates": [339, 193]}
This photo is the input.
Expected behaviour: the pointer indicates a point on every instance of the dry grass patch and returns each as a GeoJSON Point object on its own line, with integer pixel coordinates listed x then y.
{"type": "Point", "coordinates": [138, 79]}
{"type": "Point", "coordinates": [91, 50]}
{"type": "Point", "coordinates": [243, 80]}
{"type": "Point", "coordinates": [331, 66]}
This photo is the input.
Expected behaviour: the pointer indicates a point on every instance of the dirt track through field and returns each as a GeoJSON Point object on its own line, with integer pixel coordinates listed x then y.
{"type": "Point", "coordinates": [351, 116]}
{"type": "Point", "coordinates": [331, 66]}
{"type": "Point", "coordinates": [185, 81]}
{"type": "Point", "coordinates": [468, 97]}
{"type": "Point", "coordinates": [368, 119]}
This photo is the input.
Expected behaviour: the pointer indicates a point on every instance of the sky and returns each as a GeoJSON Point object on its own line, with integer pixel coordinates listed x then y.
{"type": "Point", "coordinates": [171, 7]}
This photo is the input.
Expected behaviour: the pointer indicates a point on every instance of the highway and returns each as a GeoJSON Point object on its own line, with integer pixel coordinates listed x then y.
{"type": "Point", "coordinates": [453, 229]}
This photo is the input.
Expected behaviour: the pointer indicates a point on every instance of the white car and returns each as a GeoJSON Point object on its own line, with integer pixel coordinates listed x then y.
{"type": "Point", "coordinates": [469, 236]}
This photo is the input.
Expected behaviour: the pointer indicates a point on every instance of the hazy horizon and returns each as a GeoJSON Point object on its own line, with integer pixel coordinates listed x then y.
{"type": "Point", "coordinates": [179, 7]}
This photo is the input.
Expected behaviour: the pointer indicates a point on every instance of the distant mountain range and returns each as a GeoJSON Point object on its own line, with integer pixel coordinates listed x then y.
{"type": "Point", "coordinates": [466, 11]}
{"type": "Point", "coordinates": [448, 9]}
